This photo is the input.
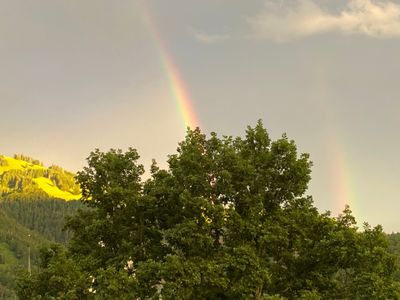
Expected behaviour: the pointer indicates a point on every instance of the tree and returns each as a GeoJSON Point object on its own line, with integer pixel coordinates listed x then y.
{"type": "Point", "coordinates": [228, 219]}
{"type": "Point", "coordinates": [60, 278]}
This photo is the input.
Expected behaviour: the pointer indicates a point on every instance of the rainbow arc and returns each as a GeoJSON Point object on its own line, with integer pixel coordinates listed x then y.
{"type": "Point", "coordinates": [176, 83]}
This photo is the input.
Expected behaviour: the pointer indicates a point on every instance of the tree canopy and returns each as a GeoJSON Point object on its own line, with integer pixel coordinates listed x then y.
{"type": "Point", "coordinates": [228, 219]}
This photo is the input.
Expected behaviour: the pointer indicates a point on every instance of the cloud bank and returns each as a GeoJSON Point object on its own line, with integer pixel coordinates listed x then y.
{"type": "Point", "coordinates": [282, 21]}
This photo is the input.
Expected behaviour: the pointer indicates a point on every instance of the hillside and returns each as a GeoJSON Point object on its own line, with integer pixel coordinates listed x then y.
{"type": "Point", "coordinates": [35, 196]}
{"type": "Point", "coordinates": [15, 240]}
{"type": "Point", "coordinates": [32, 212]}
{"type": "Point", "coordinates": [21, 175]}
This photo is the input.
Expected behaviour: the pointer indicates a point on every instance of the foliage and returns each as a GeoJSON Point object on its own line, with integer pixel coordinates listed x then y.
{"type": "Point", "coordinates": [227, 220]}
{"type": "Point", "coordinates": [14, 243]}
{"type": "Point", "coordinates": [25, 190]}
{"type": "Point", "coordinates": [28, 159]}
{"type": "Point", "coordinates": [394, 249]}
{"type": "Point", "coordinates": [43, 215]}
{"type": "Point", "coordinates": [60, 279]}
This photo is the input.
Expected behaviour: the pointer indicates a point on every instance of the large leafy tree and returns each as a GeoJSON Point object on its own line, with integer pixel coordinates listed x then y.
{"type": "Point", "coordinates": [228, 219]}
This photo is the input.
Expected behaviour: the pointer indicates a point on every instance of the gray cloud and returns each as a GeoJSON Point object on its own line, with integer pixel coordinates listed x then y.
{"type": "Point", "coordinates": [281, 21]}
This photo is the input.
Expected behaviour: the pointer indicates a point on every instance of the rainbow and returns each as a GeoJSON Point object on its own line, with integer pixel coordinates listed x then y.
{"type": "Point", "coordinates": [342, 184]}
{"type": "Point", "coordinates": [341, 175]}
{"type": "Point", "coordinates": [177, 86]}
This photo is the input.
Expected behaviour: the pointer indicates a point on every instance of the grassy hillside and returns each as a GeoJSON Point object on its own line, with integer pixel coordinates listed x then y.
{"type": "Point", "coordinates": [23, 175]}
{"type": "Point", "coordinates": [9, 163]}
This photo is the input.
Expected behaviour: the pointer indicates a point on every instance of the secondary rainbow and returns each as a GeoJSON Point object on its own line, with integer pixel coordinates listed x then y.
{"type": "Point", "coordinates": [341, 175]}
{"type": "Point", "coordinates": [176, 83]}
{"type": "Point", "coordinates": [343, 188]}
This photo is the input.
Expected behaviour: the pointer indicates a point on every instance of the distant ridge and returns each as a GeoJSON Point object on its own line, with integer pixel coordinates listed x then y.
{"type": "Point", "coordinates": [22, 175]}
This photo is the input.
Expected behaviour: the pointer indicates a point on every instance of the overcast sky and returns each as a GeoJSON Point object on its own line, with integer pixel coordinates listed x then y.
{"type": "Point", "coordinates": [77, 75]}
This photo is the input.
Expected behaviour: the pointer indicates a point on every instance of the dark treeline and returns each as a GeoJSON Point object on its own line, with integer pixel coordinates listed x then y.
{"type": "Point", "coordinates": [28, 159]}
{"type": "Point", "coordinates": [29, 221]}
{"type": "Point", "coordinates": [44, 215]}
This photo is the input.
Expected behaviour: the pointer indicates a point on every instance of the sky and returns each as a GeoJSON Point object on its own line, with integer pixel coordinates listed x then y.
{"type": "Point", "coordinates": [79, 75]}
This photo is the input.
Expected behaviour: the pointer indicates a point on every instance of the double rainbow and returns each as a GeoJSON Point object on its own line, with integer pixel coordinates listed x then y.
{"type": "Point", "coordinates": [340, 173]}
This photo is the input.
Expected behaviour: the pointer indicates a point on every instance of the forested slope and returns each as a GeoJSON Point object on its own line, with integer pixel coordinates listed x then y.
{"type": "Point", "coordinates": [35, 195]}
{"type": "Point", "coordinates": [33, 209]}
{"type": "Point", "coordinates": [45, 215]}
{"type": "Point", "coordinates": [15, 240]}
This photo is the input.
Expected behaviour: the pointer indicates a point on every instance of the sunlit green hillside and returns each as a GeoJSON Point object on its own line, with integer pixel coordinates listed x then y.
{"type": "Point", "coordinates": [23, 175]}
